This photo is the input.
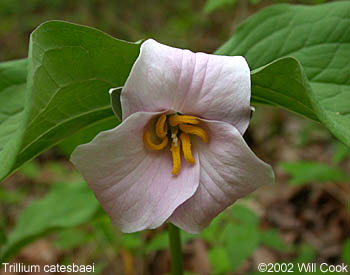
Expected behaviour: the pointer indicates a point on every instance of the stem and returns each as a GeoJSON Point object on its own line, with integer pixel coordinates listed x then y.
{"type": "Point", "coordinates": [175, 250]}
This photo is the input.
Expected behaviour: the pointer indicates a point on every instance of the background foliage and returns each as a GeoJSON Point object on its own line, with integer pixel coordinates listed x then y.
{"type": "Point", "coordinates": [293, 221]}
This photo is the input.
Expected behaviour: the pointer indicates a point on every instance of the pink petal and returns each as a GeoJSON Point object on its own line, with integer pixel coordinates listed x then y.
{"type": "Point", "coordinates": [209, 86]}
{"type": "Point", "coordinates": [134, 184]}
{"type": "Point", "coordinates": [229, 170]}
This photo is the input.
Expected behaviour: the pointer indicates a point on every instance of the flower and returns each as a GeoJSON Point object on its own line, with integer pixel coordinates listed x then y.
{"type": "Point", "coordinates": [178, 154]}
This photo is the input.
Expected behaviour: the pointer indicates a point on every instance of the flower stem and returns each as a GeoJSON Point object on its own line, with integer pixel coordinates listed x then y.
{"type": "Point", "coordinates": [175, 250]}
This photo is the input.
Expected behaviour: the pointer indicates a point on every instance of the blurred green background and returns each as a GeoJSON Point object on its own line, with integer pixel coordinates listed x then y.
{"type": "Point", "coordinates": [48, 215]}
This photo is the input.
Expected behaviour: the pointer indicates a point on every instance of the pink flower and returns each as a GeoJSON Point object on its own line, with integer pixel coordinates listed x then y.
{"type": "Point", "coordinates": [179, 154]}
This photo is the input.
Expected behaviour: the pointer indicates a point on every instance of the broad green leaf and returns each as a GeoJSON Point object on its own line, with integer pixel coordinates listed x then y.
{"type": "Point", "coordinates": [70, 71]}
{"type": "Point", "coordinates": [240, 236]}
{"type": "Point", "coordinates": [12, 111]}
{"type": "Point", "coordinates": [244, 215]}
{"type": "Point", "coordinates": [212, 232]}
{"type": "Point", "coordinates": [86, 135]}
{"type": "Point", "coordinates": [67, 205]}
{"type": "Point", "coordinates": [68, 145]}
{"type": "Point", "coordinates": [240, 241]}
{"type": "Point", "coordinates": [305, 172]}
{"type": "Point", "coordinates": [317, 36]}
{"type": "Point", "coordinates": [282, 83]}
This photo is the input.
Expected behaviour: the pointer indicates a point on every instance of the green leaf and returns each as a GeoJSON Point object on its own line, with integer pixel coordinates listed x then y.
{"type": "Point", "coordinates": [240, 236]}
{"type": "Point", "coordinates": [317, 36]}
{"type": "Point", "coordinates": [282, 83]}
{"type": "Point", "coordinates": [272, 239]}
{"type": "Point", "coordinates": [71, 238]}
{"type": "Point", "coordinates": [305, 172]}
{"type": "Point", "coordinates": [71, 69]}
{"type": "Point", "coordinates": [244, 215]}
{"type": "Point", "coordinates": [219, 260]}
{"type": "Point", "coordinates": [341, 153]}
{"type": "Point", "coordinates": [212, 232]}
{"type": "Point", "coordinates": [86, 135]}
{"type": "Point", "coordinates": [240, 242]}
{"type": "Point", "coordinates": [12, 111]}
{"type": "Point", "coordinates": [212, 5]}
{"type": "Point", "coordinates": [66, 205]}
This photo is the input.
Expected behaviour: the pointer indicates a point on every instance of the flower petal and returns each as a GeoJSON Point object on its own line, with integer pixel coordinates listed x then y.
{"type": "Point", "coordinates": [134, 184]}
{"type": "Point", "coordinates": [229, 170]}
{"type": "Point", "coordinates": [209, 86]}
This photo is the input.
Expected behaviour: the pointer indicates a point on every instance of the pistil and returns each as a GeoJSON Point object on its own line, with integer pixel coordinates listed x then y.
{"type": "Point", "coordinates": [175, 152]}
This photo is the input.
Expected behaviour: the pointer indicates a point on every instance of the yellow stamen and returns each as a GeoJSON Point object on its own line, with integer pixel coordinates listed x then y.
{"type": "Point", "coordinates": [186, 148]}
{"type": "Point", "coordinates": [194, 130]}
{"type": "Point", "coordinates": [175, 152]}
{"type": "Point", "coordinates": [161, 126]}
{"type": "Point", "coordinates": [175, 129]}
{"type": "Point", "coordinates": [147, 140]}
{"type": "Point", "coordinates": [178, 119]}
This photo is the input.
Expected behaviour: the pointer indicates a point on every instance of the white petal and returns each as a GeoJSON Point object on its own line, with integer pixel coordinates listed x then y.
{"type": "Point", "coordinates": [229, 170]}
{"type": "Point", "coordinates": [209, 86]}
{"type": "Point", "coordinates": [134, 184]}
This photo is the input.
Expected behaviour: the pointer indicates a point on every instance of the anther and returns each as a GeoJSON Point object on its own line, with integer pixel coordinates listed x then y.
{"type": "Point", "coordinates": [194, 130]}
{"type": "Point", "coordinates": [161, 126]}
{"type": "Point", "coordinates": [186, 148]}
{"type": "Point", "coordinates": [147, 140]}
{"type": "Point", "coordinates": [178, 119]}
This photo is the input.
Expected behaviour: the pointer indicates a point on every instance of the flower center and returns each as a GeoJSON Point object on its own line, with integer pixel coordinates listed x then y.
{"type": "Point", "coordinates": [175, 129]}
